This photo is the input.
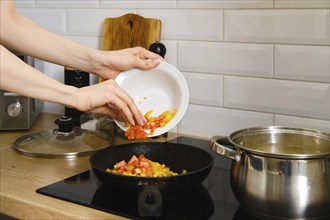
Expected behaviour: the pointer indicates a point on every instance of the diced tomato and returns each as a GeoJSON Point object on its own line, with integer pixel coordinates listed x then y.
{"type": "Point", "coordinates": [139, 166]}
{"type": "Point", "coordinates": [142, 158]}
{"type": "Point", "coordinates": [120, 164]}
{"type": "Point", "coordinates": [130, 133]}
{"type": "Point", "coordinates": [137, 170]}
{"type": "Point", "coordinates": [133, 159]}
{"type": "Point", "coordinates": [138, 132]}
{"type": "Point", "coordinates": [145, 164]}
{"type": "Point", "coordinates": [136, 164]}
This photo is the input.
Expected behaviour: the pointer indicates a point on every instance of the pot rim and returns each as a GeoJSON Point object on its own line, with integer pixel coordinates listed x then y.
{"type": "Point", "coordinates": [279, 129]}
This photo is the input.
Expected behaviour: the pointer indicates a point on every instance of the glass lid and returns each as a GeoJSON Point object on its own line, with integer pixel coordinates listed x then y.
{"type": "Point", "coordinates": [62, 142]}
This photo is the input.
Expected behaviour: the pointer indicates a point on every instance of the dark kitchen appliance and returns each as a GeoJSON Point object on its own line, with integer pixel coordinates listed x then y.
{"type": "Point", "coordinates": [18, 112]}
{"type": "Point", "coordinates": [213, 199]}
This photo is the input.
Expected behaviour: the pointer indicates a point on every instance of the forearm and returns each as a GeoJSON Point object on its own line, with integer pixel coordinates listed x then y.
{"type": "Point", "coordinates": [40, 43]}
{"type": "Point", "coordinates": [16, 76]}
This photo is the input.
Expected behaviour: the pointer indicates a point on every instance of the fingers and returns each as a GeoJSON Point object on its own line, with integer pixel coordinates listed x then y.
{"type": "Point", "coordinates": [146, 54]}
{"type": "Point", "coordinates": [143, 53]}
{"type": "Point", "coordinates": [109, 98]}
{"type": "Point", "coordinates": [125, 104]}
{"type": "Point", "coordinates": [147, 64]}
{"type": "Point", "coordinates": [131, 111]}
{"type": "Point", "coordinates": [145, 59]}
{"type": "Point", "coordinates": [113, 113]}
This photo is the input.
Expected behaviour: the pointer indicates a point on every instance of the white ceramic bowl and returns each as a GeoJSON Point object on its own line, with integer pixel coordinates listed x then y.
{"type": "Point", "coordinates": [160, 89]}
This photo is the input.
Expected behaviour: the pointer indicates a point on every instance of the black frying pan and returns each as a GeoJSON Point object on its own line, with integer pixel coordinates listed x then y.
{"type": "Point", "coordinates": [177, 157]}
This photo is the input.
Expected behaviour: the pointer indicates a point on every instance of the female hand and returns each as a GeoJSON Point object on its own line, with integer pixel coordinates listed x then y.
{"type": "Point", "coordinates": [109, 98]}
{"type": "Point", "coordinates": [121, 60]}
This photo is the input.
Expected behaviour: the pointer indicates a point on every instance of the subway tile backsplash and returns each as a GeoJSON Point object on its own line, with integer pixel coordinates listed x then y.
{"type": "Point", "coordinates": [206, 121]}
{"type": "Point", "coordinates": [247, 63]}
{"type": "Point", "coordinates": [303, 26]}
{"type": "Point", "coordinates": [67, 3]}
{"type": "Point", "coordinates": [138, 4]}
{"type": "Point", "coordinates": [88, 22]}
{"type": "Point", "coordinates": [205, 89]}
{"type": "Point", "coordinates": [51, 19]}
{"type": "Point", "coordinates": [225, 4]}
{"type": "Point", "coordinates": [226, 58]}
{"type": "Point", "coordinates": [309, 63]}
{"type": "Point", "coordinates": [206, 25]}
{"type": "Point", "coordinates": [302, 3]}
{"type": "Point", "coordinates": [278, 96]}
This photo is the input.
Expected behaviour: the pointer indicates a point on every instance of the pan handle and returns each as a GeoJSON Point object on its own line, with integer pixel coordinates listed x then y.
{"type": "Point", "coordinates": [217, 145]}
{"type": "Point", "coordinates": [150, 201]}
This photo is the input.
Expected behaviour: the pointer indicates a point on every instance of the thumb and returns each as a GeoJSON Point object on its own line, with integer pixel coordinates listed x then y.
{"type": "Point", "coordinates": [149, 64]}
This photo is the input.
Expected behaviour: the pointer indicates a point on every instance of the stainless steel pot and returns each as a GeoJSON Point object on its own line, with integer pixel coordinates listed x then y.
{"type": "Point", "coordinates": [278, 171]}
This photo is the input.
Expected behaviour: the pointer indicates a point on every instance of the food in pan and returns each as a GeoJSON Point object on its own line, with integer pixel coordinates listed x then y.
{"type": "Point", "coordinates": [142, 166]}
{"type": "Point", "coordinates": [139, 132]}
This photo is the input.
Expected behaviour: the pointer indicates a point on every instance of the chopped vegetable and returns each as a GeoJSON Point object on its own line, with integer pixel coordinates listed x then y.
{"type": "Point", "coordinates": [141, 166]}
{"type": "Point", "coordinates": [139, 132]}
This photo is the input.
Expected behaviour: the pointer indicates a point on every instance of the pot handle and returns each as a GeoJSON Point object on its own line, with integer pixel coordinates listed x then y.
{"type": "Point", "coordinates": [217, 145]}
{"type": "Point", "coordinates": [150, 201]}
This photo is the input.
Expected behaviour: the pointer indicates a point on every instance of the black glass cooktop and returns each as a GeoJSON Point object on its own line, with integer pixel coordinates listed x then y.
{"type": "Point", "coordinates": [213, 199]}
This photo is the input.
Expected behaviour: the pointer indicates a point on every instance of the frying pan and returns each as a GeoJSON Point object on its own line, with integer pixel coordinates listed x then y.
{"type": "Point", "coordinates": [151, 190]}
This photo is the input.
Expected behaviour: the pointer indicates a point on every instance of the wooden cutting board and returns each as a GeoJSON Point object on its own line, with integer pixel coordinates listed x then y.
{"type": "Point", "coordinates": [130, 30]}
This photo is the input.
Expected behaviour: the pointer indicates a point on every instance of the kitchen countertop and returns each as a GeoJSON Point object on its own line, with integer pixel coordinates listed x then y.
{"type": "Point", "coordinates": [21, 176]}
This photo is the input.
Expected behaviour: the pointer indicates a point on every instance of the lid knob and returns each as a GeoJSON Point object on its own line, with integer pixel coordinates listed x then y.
{"type": "Point", "coordinates": [158, 48]}
{"type": "Point", "coordinates": [64, 124]}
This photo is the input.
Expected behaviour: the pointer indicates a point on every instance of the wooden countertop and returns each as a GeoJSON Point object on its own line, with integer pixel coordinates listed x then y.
{"type": "Point", "coordinates": [21, 176]}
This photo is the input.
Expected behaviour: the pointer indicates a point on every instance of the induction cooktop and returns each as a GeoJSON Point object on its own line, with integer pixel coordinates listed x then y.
{"type": "Point", "coordinates": [213, 199]}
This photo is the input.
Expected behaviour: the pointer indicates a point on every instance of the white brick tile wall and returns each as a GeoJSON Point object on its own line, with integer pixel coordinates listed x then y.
{"type": "Point", "coordinates": [24, 3]}
{"type": "Point", "coordinates": [247, 62]}
{"type": "Point", "coordinates": [310, 63]}
{"type": "Point", "coordinates": [88, 22]}
{"type": "Point", "coordinates": [278, 96]}
{"type": "Point", "coordinates": [138, 4]}
{"type": "Point", "coordinates": [226, 58]}
{"type": "Point", "coordinates": [225, 4]}
{"type": "Point", "coordinates": [189, 24]}
{"type": "Point", "coordinates": [290, 121]}
{"type": "Point", "coordinates": [206, 121]}
{"type": "Point", "coordinates": [302, 3]}
{"type": "Point", "coordinates": [278, 26]}
{"type": "Point", "coordinates": [67, 4]}
{"type": "Point", "coordinates": [205, 89]}
{"type": "Point", "coordinates": [52, 19]}
{"type": "Point", "coordinates": [171, 51]}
